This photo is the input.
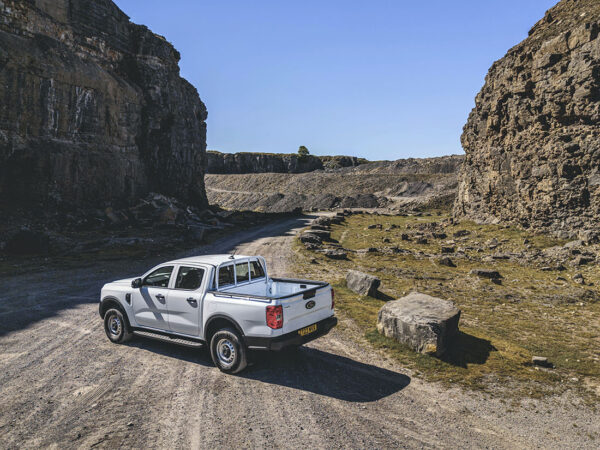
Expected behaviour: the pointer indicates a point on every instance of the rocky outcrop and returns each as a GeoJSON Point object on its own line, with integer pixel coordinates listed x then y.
{"type": "Point", "coordinates": [531, 142]}
{"type": "Point", "coordinates": [94, 111]}
{"type": "Point", "coordinates": [230, 163]}
{"type": "Point", "coordinates": [247, 162]}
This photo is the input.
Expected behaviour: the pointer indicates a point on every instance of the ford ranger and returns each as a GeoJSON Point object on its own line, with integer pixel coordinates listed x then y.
{"type": "Point", "coordinates": [224, 301]}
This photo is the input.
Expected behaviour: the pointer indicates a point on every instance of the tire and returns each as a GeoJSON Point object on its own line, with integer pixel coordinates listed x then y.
{"type": "Point", "coordinates": [116, 326]}
{"type": "Point", "coordinates": [228, 351]}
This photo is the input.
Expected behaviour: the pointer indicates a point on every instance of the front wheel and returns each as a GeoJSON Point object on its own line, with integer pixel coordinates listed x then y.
{"type": "Point", "coordinates": [228, 351]}
{"type": "Point", "coordinates": [116, 326]}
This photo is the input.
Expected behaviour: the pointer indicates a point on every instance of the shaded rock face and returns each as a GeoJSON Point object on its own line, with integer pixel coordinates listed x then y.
{"type": "Point", "coordinates": [426, 324]}
{"type": "Point", "coordinates": [93, 110]}
{"type": "Point", "coordinates": [531, 142]}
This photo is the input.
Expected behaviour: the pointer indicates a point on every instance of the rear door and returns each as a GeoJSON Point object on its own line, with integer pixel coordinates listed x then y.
{"type": "Point", "coordinates": [302, 310]}
{"type": "Point", "coordinates": [149, 302]}
{"type": "Point", "coordinates": [185, 300]}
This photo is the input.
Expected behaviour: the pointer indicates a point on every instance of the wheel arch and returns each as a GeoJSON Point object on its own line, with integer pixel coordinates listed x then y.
{"type": "Point", "coordinates": [217, 322]}
{"type": "Point", "coordinates": [109, 302]}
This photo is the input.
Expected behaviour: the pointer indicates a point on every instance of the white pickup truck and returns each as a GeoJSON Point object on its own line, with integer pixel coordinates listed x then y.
{"type": "Point", "coordinates": [228, 302]}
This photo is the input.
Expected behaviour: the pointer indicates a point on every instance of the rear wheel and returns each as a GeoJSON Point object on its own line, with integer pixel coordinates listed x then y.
{"type": "Point", "coordinates": [116, 326]}
{"type": "Point", "coordinates": [228, 351]}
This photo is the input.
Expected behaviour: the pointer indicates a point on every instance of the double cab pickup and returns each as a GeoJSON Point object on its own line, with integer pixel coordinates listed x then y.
{"type": "Point", "coordinates": [226, 302]}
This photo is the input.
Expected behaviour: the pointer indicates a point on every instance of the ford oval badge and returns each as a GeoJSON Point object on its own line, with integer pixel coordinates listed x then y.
{"type": "Point", "coordinates": [310, 305]}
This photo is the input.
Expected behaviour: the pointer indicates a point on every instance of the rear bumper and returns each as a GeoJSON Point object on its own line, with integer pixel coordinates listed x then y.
{"type": "Point", "coordinates": [290, 339]}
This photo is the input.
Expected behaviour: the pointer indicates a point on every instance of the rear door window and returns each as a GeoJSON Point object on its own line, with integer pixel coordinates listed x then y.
{"type": "Point", "coordinates": [189, 278]}
{"type": "Point", "coordinates": [159, 278]}
{"type": "Point", "coordinates": [256, 270]}
{"type": "Point", "coordinates": [226, 277]}
{"type": "Point", "coordinates": [241, 272]}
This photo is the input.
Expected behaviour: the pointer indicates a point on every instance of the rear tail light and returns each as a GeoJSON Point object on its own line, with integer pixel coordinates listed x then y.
{"type": "Point", "coordinates": [275, 316]}
{"type": "Point", "coordinates": [332, 298]}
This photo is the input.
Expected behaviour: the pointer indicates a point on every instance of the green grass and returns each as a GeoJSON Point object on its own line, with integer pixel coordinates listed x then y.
{"type": "Point", "coordinates": [502, 326]}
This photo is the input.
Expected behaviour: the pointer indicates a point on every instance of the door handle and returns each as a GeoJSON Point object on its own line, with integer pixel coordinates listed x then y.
{"type": "Point", "coordinates": [160, 297]}
{"type": "Point", "coordinates": [192, 301]}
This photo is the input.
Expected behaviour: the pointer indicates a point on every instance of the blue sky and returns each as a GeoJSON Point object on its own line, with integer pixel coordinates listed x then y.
{"type": "Point", "coordinates": [380, 79]}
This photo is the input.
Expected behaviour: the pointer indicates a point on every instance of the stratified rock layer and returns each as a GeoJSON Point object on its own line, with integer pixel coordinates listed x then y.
{"type": "Point", "coordinates": [93, 110]}
{"type": "Point", "coordinates": [532, 140]}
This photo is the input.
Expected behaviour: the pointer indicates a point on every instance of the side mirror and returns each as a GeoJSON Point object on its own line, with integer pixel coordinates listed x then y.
{"type": "Point", "coordinates": [136, 283]}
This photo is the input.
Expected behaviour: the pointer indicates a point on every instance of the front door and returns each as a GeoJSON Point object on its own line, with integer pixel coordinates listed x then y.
{"type": "Point", "coordinates": [149, 302]}
{"type": "Point", "coordinates": [185, 301]}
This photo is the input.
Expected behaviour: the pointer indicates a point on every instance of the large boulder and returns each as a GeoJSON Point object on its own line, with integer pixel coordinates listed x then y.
{"type": "Point", "coordinates": [424, 323]}
{"type": "Point", "coordinates": [362, 283]}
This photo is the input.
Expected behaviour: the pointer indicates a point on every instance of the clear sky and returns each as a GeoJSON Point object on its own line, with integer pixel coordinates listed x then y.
{"type": "Point", "coordinates": [381, 79]}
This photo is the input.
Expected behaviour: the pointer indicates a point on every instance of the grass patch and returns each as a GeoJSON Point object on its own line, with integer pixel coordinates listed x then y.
{"type": "Point", "coordinates": [502, 325]}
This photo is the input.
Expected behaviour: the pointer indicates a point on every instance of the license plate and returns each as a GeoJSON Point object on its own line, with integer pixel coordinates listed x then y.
{"type": "Point", "coordinates": [307, 330]}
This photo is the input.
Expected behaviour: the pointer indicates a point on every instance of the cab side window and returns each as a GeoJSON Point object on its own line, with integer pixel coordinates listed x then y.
{"type": "Point", "coordinates": [226, 277]}
{"type": "Point", "coordinates": [159, 278]}
{"type": "Point", "coordinates": [241, 272]}
{"type": "Point", "coordinates": [256, 270]}
{"type": "Point", "coordinates": [189, 278]}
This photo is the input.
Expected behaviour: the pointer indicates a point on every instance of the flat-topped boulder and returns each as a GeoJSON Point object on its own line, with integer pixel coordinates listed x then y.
{"type": "Point", "coordinates": [426, 324]}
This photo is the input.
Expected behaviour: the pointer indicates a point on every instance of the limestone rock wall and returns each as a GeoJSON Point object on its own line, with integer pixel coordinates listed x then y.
{"type": "Point", "coordinates": [93, 111]}
{"type": "Point", "coordinates": [532, 142]}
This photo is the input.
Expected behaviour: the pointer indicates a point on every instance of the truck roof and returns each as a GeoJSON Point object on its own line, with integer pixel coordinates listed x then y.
{"type": "Point", "coordinates": [214, 260]}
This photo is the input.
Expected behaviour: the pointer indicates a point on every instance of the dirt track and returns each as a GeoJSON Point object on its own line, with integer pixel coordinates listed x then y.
{"type": "Point", "coordinates": [63, 384]}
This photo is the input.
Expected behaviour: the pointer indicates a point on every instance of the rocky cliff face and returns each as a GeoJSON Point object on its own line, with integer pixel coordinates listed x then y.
{"type": "Point", "coordinates": [243, 162]}
{"type": "Point", "coordinates": [93, 110]}
{"type": "Point", "coordinates": [247, 162]}
{"type": "Point", "coordinates": [532, 140]}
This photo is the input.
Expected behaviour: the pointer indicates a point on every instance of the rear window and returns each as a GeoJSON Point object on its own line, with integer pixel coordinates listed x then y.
{"type": "Point", "coordinates": [189, 278]}
{"type": "Point", "coordinates": [241, 272]}
{"type": "Point", "coordinates": [226, 276]}
{"type": "Point", "coordinates": [256, 270]}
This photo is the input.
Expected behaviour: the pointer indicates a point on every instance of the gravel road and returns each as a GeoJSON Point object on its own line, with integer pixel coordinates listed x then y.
{"type": "Point", "coordinates": [64, 385]}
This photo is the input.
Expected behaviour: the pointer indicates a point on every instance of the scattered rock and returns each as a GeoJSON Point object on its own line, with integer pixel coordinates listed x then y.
{"type": "Point", "coordinates": [461, 233]}
{"type": "Point", "coordinates": [583, 260]}
{"type": "Point", "coordinates": [445, 261]}
{"type": "Point", "coordinates": [424, 323]}
{"type": "Point", "coordinates": [362, 283]}
{"type": "Point", "coordinates": [578, 278]}
{"type": "Point", "coordinates": [486, 273]}
{"type": "Point", "coordinates": [335, 253]}
{"type": "Point", "coordinates": [541, 361]}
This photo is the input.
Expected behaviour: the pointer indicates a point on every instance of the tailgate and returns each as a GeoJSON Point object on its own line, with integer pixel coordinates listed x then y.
{"type": "Point", "coordinates": [307, 308]}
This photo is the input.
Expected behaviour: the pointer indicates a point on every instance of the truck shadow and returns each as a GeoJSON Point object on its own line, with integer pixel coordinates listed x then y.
{"type": "Point", "coordinates": [324, 373]}
{"type": "Point", "coordinates": [305, 369]}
